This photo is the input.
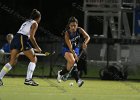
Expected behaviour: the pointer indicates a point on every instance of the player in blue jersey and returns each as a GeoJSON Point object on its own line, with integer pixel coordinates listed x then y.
{"type": "Point", "coordinates": [6, 49]}
{"type": "Point", "coordinates": [71, 49]}
{"type": "Point", "coordinates": [20, 43]}
{"type": "Point", "coordinates": [6, 46]}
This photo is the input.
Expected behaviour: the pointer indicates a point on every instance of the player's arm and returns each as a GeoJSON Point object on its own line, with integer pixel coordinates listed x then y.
{"type": "Point", "coordinates": [86, 36]}
{"type": "Point", "coordinates": [68, 42]}
{"type": "Point", "coordinates": [32, 37]}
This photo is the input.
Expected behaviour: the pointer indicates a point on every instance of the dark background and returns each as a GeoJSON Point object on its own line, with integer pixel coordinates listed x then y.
{"type": "Point", "coordinates": [55, 14]}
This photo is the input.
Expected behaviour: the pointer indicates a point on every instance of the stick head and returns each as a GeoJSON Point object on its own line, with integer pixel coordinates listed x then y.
{"type": "Point", "coordinates": [53, 52]}
{"type": "Point", "coordinates": [64, 78]}
{"type": "Point", "coordinates": [47, 53]}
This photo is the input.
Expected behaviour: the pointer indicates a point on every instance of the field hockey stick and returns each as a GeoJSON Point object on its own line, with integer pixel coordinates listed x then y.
{"type": "Point", "coordinates": [69, 73]}
{"type": "Point", "coordinates": [48, 53]}
{"type": "Point", "coordinates": [44, 53]}
{"type": "Point", "coordinates": [37, 54]}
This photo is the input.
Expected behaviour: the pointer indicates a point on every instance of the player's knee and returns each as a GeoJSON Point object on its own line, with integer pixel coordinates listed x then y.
{"type": "Point", "coordinates": [72, 62]}
{"type": "Point", "coordinates": [33, 59]}
{"type": "Point", "coordinates": [68, 68]}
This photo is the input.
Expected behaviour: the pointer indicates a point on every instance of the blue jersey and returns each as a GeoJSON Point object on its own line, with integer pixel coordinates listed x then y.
{"type": "Point", "coordinates": [6, 47]}
{"type": "Point", "coordinates": [74, 38]}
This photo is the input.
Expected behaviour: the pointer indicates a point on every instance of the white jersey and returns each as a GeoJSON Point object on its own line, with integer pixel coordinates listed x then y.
{"type": "Point", "coordinates": [25, 27]}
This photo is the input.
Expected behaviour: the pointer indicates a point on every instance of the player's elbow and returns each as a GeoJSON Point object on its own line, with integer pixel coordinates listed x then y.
{"type": "Point", "coordinates": [87, 38]}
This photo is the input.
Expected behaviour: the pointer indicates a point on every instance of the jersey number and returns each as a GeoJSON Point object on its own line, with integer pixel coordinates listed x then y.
{"type": "Point", "coordinates": [22, 26]}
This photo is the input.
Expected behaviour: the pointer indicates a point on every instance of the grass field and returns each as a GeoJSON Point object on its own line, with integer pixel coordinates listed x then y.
{"type": "Point", "coordinates": [49, 89]}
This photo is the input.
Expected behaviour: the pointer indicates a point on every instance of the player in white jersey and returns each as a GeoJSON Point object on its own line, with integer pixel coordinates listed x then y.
{"type": "Point", "coordinates": [21, 43]}
{"type": "Point", "coordinates": [25, 27]}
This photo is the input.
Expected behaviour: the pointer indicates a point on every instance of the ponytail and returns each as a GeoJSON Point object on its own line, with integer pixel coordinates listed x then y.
{"type": "Point", "coordinates": [35, 14]}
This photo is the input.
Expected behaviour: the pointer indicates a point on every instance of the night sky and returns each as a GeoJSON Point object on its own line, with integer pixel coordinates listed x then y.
{"type": "Point", "coordinates": [55, 14]}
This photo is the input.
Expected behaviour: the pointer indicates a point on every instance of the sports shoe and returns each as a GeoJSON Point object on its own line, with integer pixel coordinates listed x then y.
{"type": "Point", "coordinates": [1, 83]}
{"type": "Point", "coordinates": [30, 82]}
{"type": "Point", "coordinates": [59, 77]}
{"type": "Point", "coordinates": [80, 82]}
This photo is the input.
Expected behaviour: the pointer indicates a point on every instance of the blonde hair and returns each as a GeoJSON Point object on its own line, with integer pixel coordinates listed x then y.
{"type": "Point", "coordinates": [9, 36]}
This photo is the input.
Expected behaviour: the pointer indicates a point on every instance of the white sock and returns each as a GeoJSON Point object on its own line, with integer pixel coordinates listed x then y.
{"type": "Point", "coordinates": [5, 70]}
{"type": "Point", "coordinates": [31, 68]}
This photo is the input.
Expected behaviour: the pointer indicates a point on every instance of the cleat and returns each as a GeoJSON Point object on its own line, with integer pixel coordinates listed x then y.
{"type": "Point", "coordinates": [1, 83]}
{"type": "Point", "coordinates": [80, 82]}
{"type": "Point", "coordinates": [59, 77]}
{"type": "Point", "coordinates": [30, 82]}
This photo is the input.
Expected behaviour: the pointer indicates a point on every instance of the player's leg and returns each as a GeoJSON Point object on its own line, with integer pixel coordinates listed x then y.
{"type": "Point", "coordinates": [75, 74]}
{"type": "Point", "coordinates": [64, 70]}
{"type": "Point", "coordinates": [2, 56]}
{"type": "Point", "coordinates": [7, 67]}
{"type": "Point", "coordinates": [31, 67]}
{"type": "Point", "coordinates": [70, 62]}
{"type": "Point", "coordinates": [74, 71]}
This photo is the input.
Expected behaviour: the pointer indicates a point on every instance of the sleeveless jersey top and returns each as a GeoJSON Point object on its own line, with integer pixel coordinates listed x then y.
{"type": "Point", "coordinates": [25, 27]}
{"type": "Point", "coordinates": [74, 38]}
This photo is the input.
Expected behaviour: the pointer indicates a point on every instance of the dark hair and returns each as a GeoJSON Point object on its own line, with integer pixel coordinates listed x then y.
{"type": "Point", "coordinates": [35, 14]}
{"type": "Point", "coordinates": [72, 19]}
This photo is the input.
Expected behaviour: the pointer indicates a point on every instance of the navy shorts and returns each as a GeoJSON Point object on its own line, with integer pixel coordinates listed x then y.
{"type": "Point", "coordinates": [65, 49]}
{"type": "Point", "coordinates": [20, 42]}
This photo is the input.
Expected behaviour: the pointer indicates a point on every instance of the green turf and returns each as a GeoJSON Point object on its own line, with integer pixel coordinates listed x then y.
{"type": "Point", "coordinates": [43, 69]}
{"type": "Point", "coordinates": [49, 89]}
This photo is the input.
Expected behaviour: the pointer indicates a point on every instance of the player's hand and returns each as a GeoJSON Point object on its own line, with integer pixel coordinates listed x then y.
{"type": "Point", "coordinates": [76, 57]}
{"type": "Point", "coordinates": [38, 50]}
